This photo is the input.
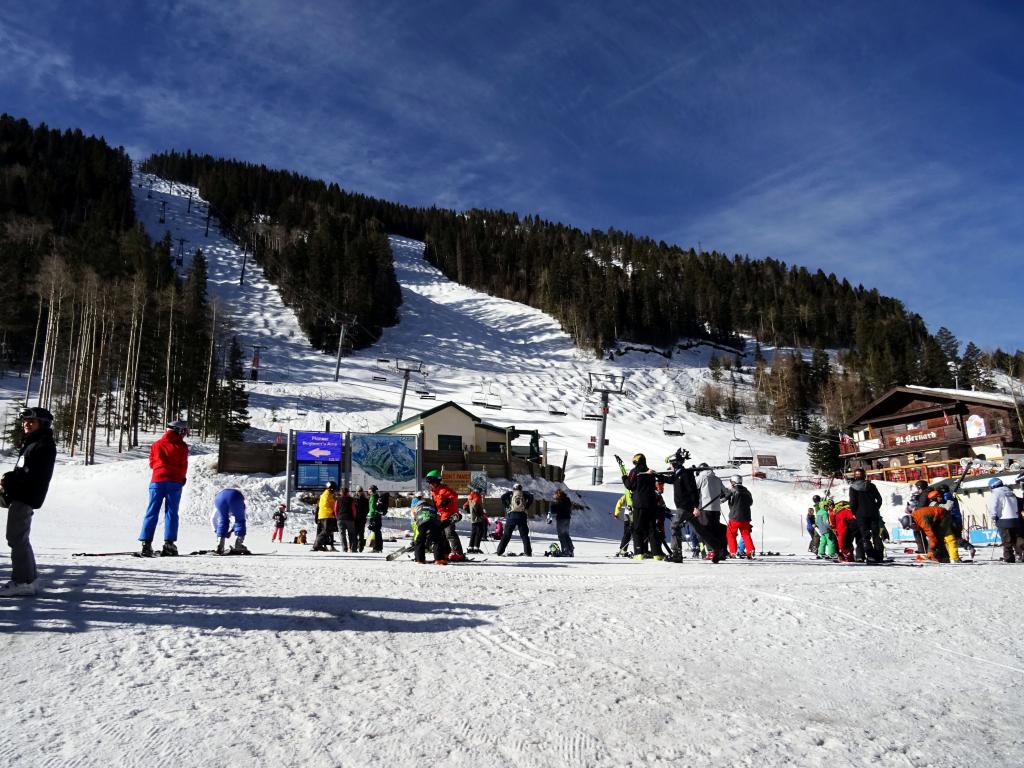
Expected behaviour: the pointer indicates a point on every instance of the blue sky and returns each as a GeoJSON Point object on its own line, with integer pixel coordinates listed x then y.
{"type": "Point", "coordinates": [881, 141]}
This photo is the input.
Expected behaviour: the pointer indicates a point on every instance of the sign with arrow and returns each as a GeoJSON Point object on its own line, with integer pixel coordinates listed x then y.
{"type": "Point", "coordinates": [318, 446]}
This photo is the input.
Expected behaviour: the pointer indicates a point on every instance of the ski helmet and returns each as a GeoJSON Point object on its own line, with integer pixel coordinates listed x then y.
{"type": "Point", "coordinates": [421, 495]}
{"type": "Point", "coordinates": [995, 482]}
{"type": "Point", "coordinates": [639, 458]}
{"type": "Point", "coordinates": [282, 506]}
{"type": "Point", "coordinates": [43, 416]}
{"type": "Point", "coordinates": [816, 498]}
{"type": "Point", "coordinates": [359, 489]}
{"type": "Point", "coordinates": [921, 485]}
{"type": "Point", "coordinates": [736, 480]}
{"type": "Point", "coordinates": [179, 426]}
{"type": "Point", "coordinates": [331, 485]}
{"type": "Point", "coordinates": [434, 475]}
{"type": "Point", "coordinates": [517, 487]}
{"type": "Point", "coordinates": [373, 488]}
{"type": "Point", "coordinates": [934, 495]}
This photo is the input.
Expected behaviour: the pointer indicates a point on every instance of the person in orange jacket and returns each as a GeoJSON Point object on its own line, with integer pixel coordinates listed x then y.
{"type": "Point", "coordinates": [168, 458]}
{"type": "Point", "coordinates": [933, 520]}
{"type": "Point", "coordinates": [447, 503]}
{"type": "Point", "coordinates": [846, 529]}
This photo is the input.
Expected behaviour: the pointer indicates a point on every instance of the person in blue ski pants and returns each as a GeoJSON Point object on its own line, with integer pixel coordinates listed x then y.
{"type": "Point", "coordinates": [229, 504]}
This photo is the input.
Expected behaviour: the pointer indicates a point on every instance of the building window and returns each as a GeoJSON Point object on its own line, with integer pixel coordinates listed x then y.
{"type": "Point", "coordinates": [495, 447]}
{"type": "Point", "coordinates": [449, 442]}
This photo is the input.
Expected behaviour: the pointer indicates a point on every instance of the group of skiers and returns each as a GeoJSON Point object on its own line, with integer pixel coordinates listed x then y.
{"type": "Point", "coordinates": [351, 516]}
{"type": "Point", "coordinates": [849, 530]}
{"type": "Point", "coordinates": [698, 494]}
{"type": "Point", "coordinates": [853, 530]}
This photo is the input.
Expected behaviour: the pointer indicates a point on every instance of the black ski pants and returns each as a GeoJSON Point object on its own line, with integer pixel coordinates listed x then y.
{"type": "Point", "coordinates": [360, 534]}
{"type": "Point", "coordinates": [374, 524]}
{"type": "Point", "coordinates": [867, 539]}
{"type": "Point", "coordinates": [454, 544]}
{"type": "Point", "coordinates": [627, 534]}
{"type": "Point", "coordinates": [512, 524]}
{"type": "Point", "coordinates": [476, 534]}
{"type": "Point", "coordinates": [711, 532]}
{"type": "Point", "coordinates": [432, 530]}
{"type": "Point", "coordinates": [348, 534]}
{"type": "Point", "coordinates": [1013, 544]}
{"type": "Point", "coordinates": [325, 528]}
{"type": "Point", "coordinates": [645, 531]}
{"type": "Point", "coordinates": [681, 531]}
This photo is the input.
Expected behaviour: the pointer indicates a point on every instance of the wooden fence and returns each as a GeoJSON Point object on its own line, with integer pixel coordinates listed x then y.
{"type": "Point", "coordinates": [236, 456]}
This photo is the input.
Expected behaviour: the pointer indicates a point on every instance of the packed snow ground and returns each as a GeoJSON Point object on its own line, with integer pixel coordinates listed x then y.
{"type": "Point", "coordinates": [311, 659]}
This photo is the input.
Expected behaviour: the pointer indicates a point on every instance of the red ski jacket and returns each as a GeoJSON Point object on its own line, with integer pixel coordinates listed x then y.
{"type": "Point", "coordinates": [446, 501]}
{"type": "Point", "coordinates": [168, 458]}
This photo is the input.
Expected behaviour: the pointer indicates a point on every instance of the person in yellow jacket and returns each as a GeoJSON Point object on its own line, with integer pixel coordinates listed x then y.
{"type": "Point", "coordinates": [622, 508]}
{"type": "Point", "coordinates": [326, 519]}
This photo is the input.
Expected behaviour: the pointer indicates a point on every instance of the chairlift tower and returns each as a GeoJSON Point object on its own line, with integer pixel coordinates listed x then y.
{"type": "Point", "coordinates": [605, 384]}
{"type": "Point", "coordinates": [344, 322]}
{"type": "Point", "coordinates": [406, 368]}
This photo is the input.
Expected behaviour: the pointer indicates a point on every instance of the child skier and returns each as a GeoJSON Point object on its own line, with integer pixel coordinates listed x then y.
{"type": "Point", "coordinates": [622, 508]}
{"type": "Point", "coordinates": [474, 510]}
{"type": "Point", "coordinates": [933, 521]}
{"type": "Point", "coordinates": [846, 528]}
{"type": "Point", "coordinates": [827, 540]}
{"type": "Point", "coordinates": [280, 516]}
{"type": "Point", "coordinates": [378, 507]}
{"type": "Point", "coordinates": [427, 525]}
{"type": "Point", "coordinates": [811, 524]}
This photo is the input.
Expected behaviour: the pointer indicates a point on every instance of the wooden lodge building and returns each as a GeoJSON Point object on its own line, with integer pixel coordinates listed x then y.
{"type": "Point", "coordinates": [912, 433]}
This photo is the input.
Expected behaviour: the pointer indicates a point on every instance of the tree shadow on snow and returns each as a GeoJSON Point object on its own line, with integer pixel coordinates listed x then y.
{"type": "Point", "coordinates": [90, 598]}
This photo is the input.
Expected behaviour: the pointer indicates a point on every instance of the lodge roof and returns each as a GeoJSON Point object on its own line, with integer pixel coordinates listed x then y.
{"type": "Point", "coordinates": [423, 415]}
{"type": "Point", "coordinates": [940, 396]}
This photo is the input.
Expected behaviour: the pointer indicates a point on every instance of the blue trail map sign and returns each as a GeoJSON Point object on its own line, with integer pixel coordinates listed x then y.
{"type": "Point", "coordinates": [317, 459]}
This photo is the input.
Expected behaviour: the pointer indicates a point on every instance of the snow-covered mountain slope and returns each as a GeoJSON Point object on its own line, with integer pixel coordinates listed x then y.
{"type": "Point", "coordinates": [326, 659]}
{"type": "Point", "coordinates": [473, 346]}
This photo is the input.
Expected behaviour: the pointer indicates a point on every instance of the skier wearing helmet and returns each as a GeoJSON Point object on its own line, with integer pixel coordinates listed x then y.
{"type": "Point", "coordinates": [517, 505]}
{"type": "Point", "coordinates": [168, 458]}
{"type": "Point", "coordinates": [326, 519]}
{"type": "Point", "coordinates": [1004, 509]}
{"type": "Point", "coordinates": [740, 501]}
{"type": "Point", "coordinates": [447, 503]}
{"type": "Point", "coordinates": [684, 496]}
{"type": "Point", "coordinates": [707, 516]}
{"type": "Point", "coordinates": [427, 525]}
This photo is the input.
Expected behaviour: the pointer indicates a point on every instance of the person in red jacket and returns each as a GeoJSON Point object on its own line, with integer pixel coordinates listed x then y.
{"type": "Point", "coordinates": [447, 503]}
{"type": "Point", "coordinates": [168, 458]}
{"type": "Point", "coordinates": [846, 529]}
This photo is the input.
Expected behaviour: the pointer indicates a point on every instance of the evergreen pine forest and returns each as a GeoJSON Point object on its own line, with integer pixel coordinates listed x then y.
{"type": "Point", "coordinates": [101, 309]}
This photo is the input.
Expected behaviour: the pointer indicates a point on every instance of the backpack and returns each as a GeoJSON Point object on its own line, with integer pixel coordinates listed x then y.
{"type": "Point", "coordinates": [517, 503]}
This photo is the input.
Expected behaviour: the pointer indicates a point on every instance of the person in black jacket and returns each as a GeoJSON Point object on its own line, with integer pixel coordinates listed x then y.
{"type": "Point", "coordinates": [684, 496]}
{"type": "Point", "coordinates": [641, 482]}
{"type": "Point", "coordinates": [740, 502]}
{"type": "Point", "coordinates": [866, 505]}
{"type": "Point", "coordinates": [362, 505]}
{"type": "Point", "coordinates": [561, 511]}
{"type": "Point", "coordinates": [24, 490]}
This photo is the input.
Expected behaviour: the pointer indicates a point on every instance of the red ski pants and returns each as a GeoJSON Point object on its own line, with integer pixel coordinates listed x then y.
{"type": "Point", "coordinates": [278, 535]}
{"type": "Point", "coordinates": [730, 536]}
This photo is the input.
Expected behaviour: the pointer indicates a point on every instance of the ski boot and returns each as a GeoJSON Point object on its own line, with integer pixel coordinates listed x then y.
{"type": "Point", "coordinates": [623, 553]}
{"type": "Point", "coordinates": [455, 557]}
{"type": "Point", "coordinates": [220, 547]}
{"type": "Point", "coordinates": [239, 548]}
{"type": "Point", "coordinates": [147, 549]}
{"type": "Point", "coordinates": [677, 557]}
{"type": "Point", "coordinates": [169, 549]}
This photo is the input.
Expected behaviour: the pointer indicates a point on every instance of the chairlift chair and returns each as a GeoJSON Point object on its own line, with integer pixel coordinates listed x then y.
{"type": "Point", "coordinates": [673, 425]}
{"type": "Point", "coordinates": [380, 369]}
{"type": "Point", "coordinates": [740, 450]}
{"type": "Point", "coordinates": [592, 411]}
{"type": "Point", "coordinates": [479, 397]}
{"type": "Point", "coordinates": [555, 408]}
{"type": "Point", "coordinates": [427, 395]}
